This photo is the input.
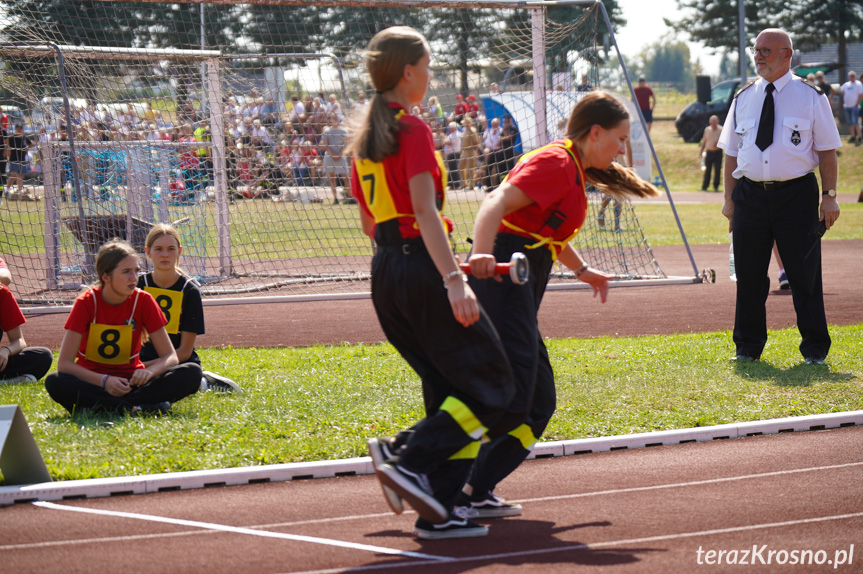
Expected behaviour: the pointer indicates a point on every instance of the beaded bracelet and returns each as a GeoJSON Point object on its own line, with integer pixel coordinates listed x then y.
{"type": "Point", "coordinates": [580, 271]}
{"type": "Point", "coordinates": [452, 274]}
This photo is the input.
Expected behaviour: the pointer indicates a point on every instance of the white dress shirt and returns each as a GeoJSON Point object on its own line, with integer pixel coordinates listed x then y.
{"type": "Point", "coordinates": [803, 126]}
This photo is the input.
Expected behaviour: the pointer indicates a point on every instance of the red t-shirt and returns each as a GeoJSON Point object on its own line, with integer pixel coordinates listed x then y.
{"type": "Point", "coordinates": [145, 314]}
{"type": "Point", "coordinates": [550, 178]}
{"type": "Point", "coordinates": [416, 155]}
{"type": "Point", "coordinates": [10, 314]}
{"type": "Point", "coordinates": [643, 97]}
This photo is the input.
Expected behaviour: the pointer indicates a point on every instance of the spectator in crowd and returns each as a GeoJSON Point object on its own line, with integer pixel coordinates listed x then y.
{"type": "Point", "coordinates": [460, 109]}
{"type": "Point", "coordinates": [825, 86]}
{"type": "Point", "coordinates": [494, 159]}
{"type": "Point", "coordinates": [16, 156]}
{"type": "Point", "coordinates": [585, 85]}
{"type": "Point", "coordinates": [852, 97]}
{"type": "Point", "coordinates": [435, 109]}
{"type": "Point", "coordinates": [452, 154]}
{"type": "Point", "coordinates": [646, 101]}
{"type": "Point", "coordinates": [269, 113]}
{"type": "Point", "coordinates": [711, 153]}
{"type": "Point", "coordinates": [333, 142]}
{"type": "Point", "coordinates": [361, 103]}
{"type": "Point", "coordinates": [508, 138]}
{"type": "Point", "coordinates": [470, 151]}
{"type": "Point", "coordinates": [472, 106]}
{"type": "Point", "coordinates": [334, 106]}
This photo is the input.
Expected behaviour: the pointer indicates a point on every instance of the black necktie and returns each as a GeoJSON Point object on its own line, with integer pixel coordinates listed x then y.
{"type": "Point", "coordinates": [765, 124]}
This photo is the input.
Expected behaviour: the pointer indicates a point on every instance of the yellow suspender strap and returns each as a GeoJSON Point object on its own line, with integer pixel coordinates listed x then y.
{"type": "Point", "coordinates": [541, 240]}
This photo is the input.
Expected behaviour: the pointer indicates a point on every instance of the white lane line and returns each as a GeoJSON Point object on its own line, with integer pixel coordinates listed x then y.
{"type": "Point", "coordinates": [241, 530]}
{"type": "Point", "coordinates": [692, 483]}
{"type": "Point", "coordinates": [593, 545]}
{"type": "Point", "coordinates": [196, 532]}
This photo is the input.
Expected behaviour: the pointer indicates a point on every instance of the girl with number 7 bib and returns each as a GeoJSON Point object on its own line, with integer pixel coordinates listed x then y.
{"type": "Point", "coordinates": [99, 366]}
{"type": "Point", "coordinates": [180, 300]}
{"type": "Point", "coordinates": [426, 309]}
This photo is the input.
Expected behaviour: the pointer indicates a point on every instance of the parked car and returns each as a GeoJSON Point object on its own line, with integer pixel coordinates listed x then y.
{"type": "Point", "coordinates": [690, 123]}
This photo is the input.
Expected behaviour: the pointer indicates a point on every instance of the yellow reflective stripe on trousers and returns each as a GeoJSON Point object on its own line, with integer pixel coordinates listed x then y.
{"type": "Point", "coordinates": [464, 417]}
{"type": "Point", "coordinates": [469, 452]}
{"type": "Point", "coordinates": [525, 436]}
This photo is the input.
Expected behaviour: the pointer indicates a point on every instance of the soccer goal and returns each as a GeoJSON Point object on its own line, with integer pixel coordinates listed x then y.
{"type": "Point", "coordinates": [227, 120]}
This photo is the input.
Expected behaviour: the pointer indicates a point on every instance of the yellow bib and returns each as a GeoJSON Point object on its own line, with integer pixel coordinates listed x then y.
{"type": "Point", "coordinates": [171, 303]}
{"type": "Point", "coordinates": [109, 344]}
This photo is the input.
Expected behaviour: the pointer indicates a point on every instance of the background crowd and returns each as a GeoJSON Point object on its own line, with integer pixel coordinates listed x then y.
{"type": "Point", "coordinates": [267, 145]}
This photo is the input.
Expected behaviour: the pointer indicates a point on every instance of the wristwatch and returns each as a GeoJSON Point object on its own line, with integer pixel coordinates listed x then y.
{"type": "Point", "coordinates": [830, 192]}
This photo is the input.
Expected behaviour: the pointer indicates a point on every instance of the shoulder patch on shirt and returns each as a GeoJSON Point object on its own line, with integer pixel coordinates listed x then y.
{"type": "Point", "coordinates": [745, 86]}
{"type": "Point", "coordinates": [813, 85]}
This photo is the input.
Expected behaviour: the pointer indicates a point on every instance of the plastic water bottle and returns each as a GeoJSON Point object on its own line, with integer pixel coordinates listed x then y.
{"type": "Point", "coordinates": [704, 161]}
{"type": "Point", "coordinates": [732, 271]}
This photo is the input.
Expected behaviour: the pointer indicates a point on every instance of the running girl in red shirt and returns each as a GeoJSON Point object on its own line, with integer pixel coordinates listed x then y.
{"type": "Point", "coordinates": [180, 300]}
{"type": "Point", "coordinates": [99, 364]}
{"type": "Point", "coordinates": [427, 310]}
{"type": "Point", "coordinates": [537, 211]}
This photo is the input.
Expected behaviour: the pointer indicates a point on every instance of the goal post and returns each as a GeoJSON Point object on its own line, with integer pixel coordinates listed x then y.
{"type": "Point", "coordinates": [244, 156]}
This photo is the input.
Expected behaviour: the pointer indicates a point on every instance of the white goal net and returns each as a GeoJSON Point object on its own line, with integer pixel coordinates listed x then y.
{"type": "Point", "coordinates": [224, 118]}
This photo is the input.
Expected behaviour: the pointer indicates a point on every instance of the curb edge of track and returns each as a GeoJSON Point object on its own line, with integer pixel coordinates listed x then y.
{"type": "Point", "coordinates": [166, 482]}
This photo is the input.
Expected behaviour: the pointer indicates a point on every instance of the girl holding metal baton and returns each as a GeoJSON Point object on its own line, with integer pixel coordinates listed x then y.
{"type": "Point", "coordinates": [537, 211]}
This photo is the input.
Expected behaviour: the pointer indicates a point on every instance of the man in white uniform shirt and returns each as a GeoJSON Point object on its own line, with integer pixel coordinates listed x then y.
{"type": "Point", "coordinates": [778, 130]}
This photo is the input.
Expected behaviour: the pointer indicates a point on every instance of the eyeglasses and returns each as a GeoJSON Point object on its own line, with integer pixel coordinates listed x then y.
{"type": "Point", "coordinates": [763, 51]}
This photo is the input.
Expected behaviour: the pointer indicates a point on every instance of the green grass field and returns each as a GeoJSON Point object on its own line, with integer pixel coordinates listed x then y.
{"type": "Point", "coordinates": [320, 403]}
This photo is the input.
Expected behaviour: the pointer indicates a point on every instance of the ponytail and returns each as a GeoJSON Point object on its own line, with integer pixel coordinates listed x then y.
{"type": "Point", "coordinates": [387, 54]}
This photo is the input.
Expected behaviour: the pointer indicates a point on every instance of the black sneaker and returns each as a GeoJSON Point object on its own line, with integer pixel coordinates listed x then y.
{"type": "Point", "coordinates": [157, 409]}
{"type": "Point", "coordinates": [218, 383]}
{"type": "Point", "coordinates": [452, 527]}
{"type": "Point", "coordinates": [489, 506]}
{"type": "Point", "coordinates": [379, 451]}
{"type": "Point", "coordinates": [413, 487]}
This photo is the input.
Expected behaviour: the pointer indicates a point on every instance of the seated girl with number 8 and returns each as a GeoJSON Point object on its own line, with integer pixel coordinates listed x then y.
{"type": "Point", "coordinates": [180, 300]}
{"type": "Point", "coordinates": [99, 366]}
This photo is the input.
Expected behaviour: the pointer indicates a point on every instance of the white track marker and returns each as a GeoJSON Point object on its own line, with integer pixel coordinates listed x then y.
{"type": "Point", "coordinates": [240, 530]}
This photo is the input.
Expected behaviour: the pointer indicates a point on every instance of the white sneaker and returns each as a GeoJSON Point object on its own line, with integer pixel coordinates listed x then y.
{"type": "Point", "coordinates": [19, 380]}
{"type": "Point", "coordinates": [218, 383]}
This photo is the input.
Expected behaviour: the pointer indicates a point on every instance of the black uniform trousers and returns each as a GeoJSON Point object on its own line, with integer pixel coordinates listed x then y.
{"type": "Point", "coordinates": [34, 361]}
{"type": "Point", "coordinates": [172, 385]}
{"type": "Point", "coordinates": [712, 163]}
{"type": "Point", "coordinates": [789, 216]}
{"type": "Point", "coordinates": [513, 310]}
{"type": "Point", "coordinates": [466, 363]}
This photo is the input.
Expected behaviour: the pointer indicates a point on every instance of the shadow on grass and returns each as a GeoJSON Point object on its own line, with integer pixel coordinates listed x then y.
{"type": "Point", "coordinates": [800, 375]}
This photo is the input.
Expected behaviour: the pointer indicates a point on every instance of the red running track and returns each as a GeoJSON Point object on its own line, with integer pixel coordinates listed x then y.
{"type": "Point", "coordinates": [660, 509]}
